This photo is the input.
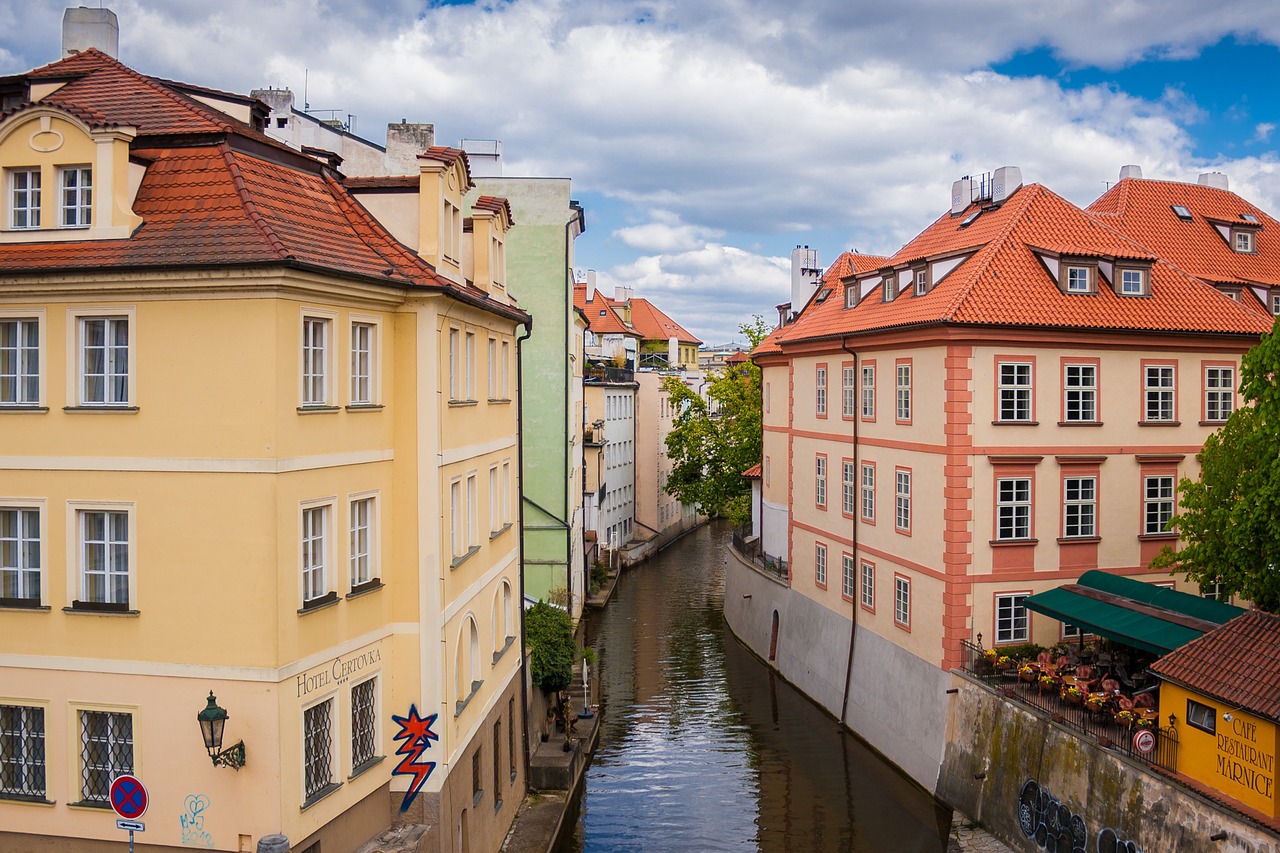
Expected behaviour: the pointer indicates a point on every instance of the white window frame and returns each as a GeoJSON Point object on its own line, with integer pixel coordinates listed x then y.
{"type": "Point", "coordinates": [820, 481]}
{"type": "Point", "coordinates": [1077, 279]}
{"type": "Point", "coordinates": [494, 391]}
{"type": "Point", "coordinates": [77, 515]}
{"type": "Point", "coordinates": [902, 601]}
{"type": "Point", "coordinates": [455, 364]}
{"type": "Point", "coordinates": [315, 551]}
{"type": "Point", "coordinates": [902, 500]}
{"type": "Point", "coordinates": [1243, 242]}
{"type": "Point", "coordinates": [473, 510]}
{"type": "Point", "coordinates": [1159, 502]}
{"type": "Point", "coordinates": [495, 503]}
{"type": "Point", "coordinates": [24, 202]}
{"type": "Point", "coordinates": [505, 375]}
{"type": "Point", "coordinates": [1219, 392]}
{"type": "Point", "coordinates": [903, 410]}
{"type": "Point", "coordinates": [922, 281]}
{"type": "Point", "coordinates": [867, 585]}
{"type": "Point", "coordinates": [820, 391]}
{"type": "Point", "coordinates": [75, 196]}
{"type": "Point", "coordinates": [1010, 626]}
{"type": "Point", "coordinates": [469, 360]}
{"type": "Point", "coordinates": [506, 493]}
{"type": "Point", "coordinates": [365, 361]}
{"type": "Point", "coordinates": [1013, 508]}
{"type": "Point", "coordinates": [868, 391]}
{"type": "Point", "coordinates": [848, 391]}
{"type": "Point", "coordinates": [1133, 282]}
{"type": "Point", "coordinates": [1159, 397]}
{"type": "Point", "coordinates": [457, 520]}
{"type": "Point", "coordinates": [847, 577]}
{"type": "Point", "coordinates": [363, 556]}
{"type": "Point", "coordinates": [868, 506]}
{"type": "Point", "coordinates": [27, 548]}
{"type": "Point", "coordinates": [1080, 507]}
{"type": "Point", "coordinates": [820, 564]}
{"type": "Point", "coordinates": [1016, 390]}
{"type": "Point", "coordinates": [316, 371]}
{"type": "Point", "coordinates": [77, 361]}
{"type": "Point", "coordinates": [1080, 393]}
{"type": "Point", "coordinates": [848, 487]}
{"type": "Point", "coordinates": [21, 359]}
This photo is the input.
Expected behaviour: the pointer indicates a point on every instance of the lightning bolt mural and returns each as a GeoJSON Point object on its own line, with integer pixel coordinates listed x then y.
{"type": "Point", "coordinates": [416, 733]}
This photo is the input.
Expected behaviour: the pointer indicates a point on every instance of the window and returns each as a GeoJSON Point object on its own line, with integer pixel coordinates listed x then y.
{"type": "Point", "coordinates": [820, 391]}
{"type": "Point", "coordinates": [470, 366]}
{"type": "Point", "coordinates": [1011, 619]}
{"type": "Point", "coordinates": [848, 391]}
{"type": "Point", "coordinates": [477, 790]}
{"type": "Point", "coordinates": [106, 751]}
{"type": "Point", "coordinates": [1157, 504]}
{"type": "Point", "coordinates": [847, 577]}
{"type": "Point", "coordinates": [1013, 508]}
{"type": "Point", "coordinates": [869, 492]}
{"type": "Point", "coordinates": [1015, 391]}
{"type": "Point", "coordinates": [868, 594]}
{"type": "Point", "coordinates": [77, 197]}
{"type": "Point", "coordinates": [19, 556]}
{"type": "Point", "coordinates": [1077, 279]}
{"type": "Point", "coordinates": [495, 503]}
{"type": "Point", "coordinates": [456, 531]}
{"type": "Point", "coordinates": [317, 749]}
{"type": "Point", "coordinates": [868, 392]}
{"type": "Point", "coordinates": [473, 511]}
{"type": "Point", "coordinates": [104, 361]}
{"type": "Point", "coordinates": [1275, 303]}
{"type": "Point", "coordinates": [904, 392]}
{"type": "Point", "coordinates": [1080, 393]}
{"type": "Point", "coordinates": [22, 755]}
{"type": "Point", "coordinates": [19, 362]}
{"type": "Point", "coordinates": [1202, 717]}
{"type": "Point", "coordinates": [362, 553]}
{"type": "Point", "coordinates": [902, 500]}
{"type": "Point", "coordinates": [1158, 386]}
{"type": "Point", "coordinates": [849, 487]}
{"type": "Point", "coordinates": [1244, 242]}
{"type": "Point", "coordinates": [1133, 282]}
{"type": "Point", "coordinates": [504, 385]}
{"type": "Point", "coordinates": [820, 565]}
{"type": "Point", "coordinates": [104, 560]}
{"type": "Point", "coordinates": [24, 207]}
{"type": "Point", "coordinates": [922, 282]}
{"type": "Point", "coordinates": [455, 366]}
{"type": "Point", "coordinates": [902, 601]}
{"type": "Point", "coordinates": [506, 493]}
{"type": "Point", "coordinates": [493, 369]}
{"type": "Point", "coordinates": [364, 730]}
{"type": "Point", "coordinates": [315, 343]}
{"type": "Point", "coordinates": [315, 522]}
{"type": "Point", "coordinates": [497, 763]}
{"type": "Point", "coordinates": [451, 223]}
{"type": "Point", "coordinates": [1213, 591]}
{"type": "Point", "coordinates": [1079, 506]}
{"type": "Point", "coordinates": [362, 355]}
{"type": "Point", "coordinates": [820, 481]}
{"type": "Point", "coordinates": [511, 741]}
{"type": "Point", "coordinates": [1219, 393]}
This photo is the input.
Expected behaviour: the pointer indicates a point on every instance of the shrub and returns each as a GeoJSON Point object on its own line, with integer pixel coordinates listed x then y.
{"type": "Point", "coordinates": [549, 633]}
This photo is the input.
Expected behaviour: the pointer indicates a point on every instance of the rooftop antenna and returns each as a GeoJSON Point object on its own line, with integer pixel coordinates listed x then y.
{"type": "Point", "coordinates": [306, 79]}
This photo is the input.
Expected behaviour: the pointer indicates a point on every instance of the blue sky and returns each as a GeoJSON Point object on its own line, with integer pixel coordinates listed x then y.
{"type": "Point", "coordinates": [706, 138]}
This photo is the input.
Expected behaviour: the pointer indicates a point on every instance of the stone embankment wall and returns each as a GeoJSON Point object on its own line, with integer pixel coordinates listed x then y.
{"type": "Point", "coordinates": [1026, 778]}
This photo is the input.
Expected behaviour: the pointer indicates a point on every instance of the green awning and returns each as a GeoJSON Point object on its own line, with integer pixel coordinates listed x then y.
{"type": "Point", "coordinates": [1131, 612]}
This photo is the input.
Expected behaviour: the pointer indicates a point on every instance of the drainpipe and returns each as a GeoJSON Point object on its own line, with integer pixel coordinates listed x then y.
{"type": "Point", "coordinates": [524, 686]}
{"type": "Point", "coordinates": [857, 506]}
{"type": "Point", "coordinates": [580, 218]}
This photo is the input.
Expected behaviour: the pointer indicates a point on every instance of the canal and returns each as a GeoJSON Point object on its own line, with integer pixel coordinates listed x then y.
{"type": "Point", "coordinates": [705, 749]}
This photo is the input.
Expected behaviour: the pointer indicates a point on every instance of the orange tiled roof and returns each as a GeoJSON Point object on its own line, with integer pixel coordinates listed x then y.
{"type": "Point", "coordinates": [654, 325]}
{"type": "Point", "coordinates": [497, 204]}
{"type": "Point", "coordinates": [1237, 664]}
{"type": "Point", "coordinates": [1003, 281]}
{"type": "Point", "coordinates": [449, 156]}
{"type": "Point", "coordinates": [754, 472]}
{"type": "Point", "coordinates": [601, 318]}
{"type": "Point", "coordinates": [1143, 210]}
{"type": "Point", "coordinates": [849, 263]}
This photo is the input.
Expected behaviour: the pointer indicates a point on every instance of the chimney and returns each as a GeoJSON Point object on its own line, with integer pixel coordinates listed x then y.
{"type": "Point", "coordinates": [485, 157]}
{"type": "Point", "coordinates": [1217, 180]}
{"type": "Point", "coordinates": [1131, 171]}
{"type": "Point", "coordinates": [83, 28]}
{"type": "Point", "coordinates": [961, 195]}
{"type": "Point", "coordinates": [805, 275]}
{"type": "Point", "coordinates": [673, 351]}
{"type": "Point", "coordinates": [591, 286]}
{"type": "Point", "coordinates": [404, 143]}
{"type": "Point", "coordinates": [622, 294]}
{"type": "Point", "coordinates": [1005, 183]}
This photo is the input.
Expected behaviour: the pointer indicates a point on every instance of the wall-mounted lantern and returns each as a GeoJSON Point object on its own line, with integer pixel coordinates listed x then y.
{"type": "Point", "coordinates": [212, 721]}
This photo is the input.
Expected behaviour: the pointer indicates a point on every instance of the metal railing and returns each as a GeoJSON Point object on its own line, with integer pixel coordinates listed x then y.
{"type": "Point", "coordinates": [1048, 700]}
{"type": "Point", "coordinates": [751, 549]}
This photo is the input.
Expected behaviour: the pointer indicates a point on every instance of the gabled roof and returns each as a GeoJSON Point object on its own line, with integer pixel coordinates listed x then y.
{"type": "Point", "coordinates": [1237, 664]}
{"type": "Point", "coordinates": [1001, 277]}
{"type": "Point", "coordinates": [1143, 210]}
{"type": "Point", "coordinates": [601, 318]}
{"type": "Point", "coordinates": [654, 325]}
{"type": "Point", "coordinates": [849, 263]}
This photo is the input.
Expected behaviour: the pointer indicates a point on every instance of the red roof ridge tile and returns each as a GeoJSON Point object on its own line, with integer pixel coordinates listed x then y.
{"type": "Point", "coordinates": [449, 156]}
{"type": "Point", "coordinates": [494, 203]}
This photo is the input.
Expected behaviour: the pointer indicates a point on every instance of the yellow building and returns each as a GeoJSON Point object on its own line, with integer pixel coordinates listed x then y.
{"type": "Point", "coordinates": [259, 443]}
{"type": "Point", "coordinates": [1222, 692]}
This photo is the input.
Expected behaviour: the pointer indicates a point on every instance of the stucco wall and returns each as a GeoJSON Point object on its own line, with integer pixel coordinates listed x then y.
{"type": "Point", "coordinates": [995, 748]}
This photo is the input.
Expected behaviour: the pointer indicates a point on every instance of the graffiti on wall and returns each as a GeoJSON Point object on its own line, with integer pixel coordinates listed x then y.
{"type": "Point", "coordinates": [416, 733]}
{"type": "Point", "coordinates": [192, 821]}
{"type": "Point", "coordinates": [1056, 829]}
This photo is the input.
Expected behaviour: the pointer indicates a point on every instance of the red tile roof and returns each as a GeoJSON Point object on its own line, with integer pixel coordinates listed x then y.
{"type": "Point", "coordinates": [753, 473]}
{"type": "Point", "coordinates": [849, 263]}
{"type": "Point", "coordinates": [653, 325]}
{"type": "Point", "coordinates": [601, 318]}
{"type": "Point", "coordinates": [493, 203]}
{"type": "Point", "coordinates": [1003, 281]}
{"type": "Point", "coordinates": [1237, 664]}
{"type": "Point", "coordinates": [449, 156]}
{"type": "Point", "coordinates": [212, 203]}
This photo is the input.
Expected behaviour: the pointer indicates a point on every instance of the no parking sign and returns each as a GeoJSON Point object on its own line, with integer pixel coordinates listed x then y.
{"type": "Point", "coordinates": [129, 797]}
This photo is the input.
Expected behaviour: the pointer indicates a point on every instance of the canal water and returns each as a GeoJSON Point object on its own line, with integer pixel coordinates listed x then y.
{"type": "Point", "coordinates": [705, 749]}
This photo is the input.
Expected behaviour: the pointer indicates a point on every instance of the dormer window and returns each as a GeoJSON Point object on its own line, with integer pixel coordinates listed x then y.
{"type": "Point", "coordinates": [890, 283]}
{"type": "Point", "coordinates": [76, 203]}
{"type": "Point", "coordinates": [24, 185]}
{"type": "Point", "coordinates": [850, 294]}
{"type": "Point", "coordinates": [1243, 242]}
{"type": "Point", "coordinates": [922, 281]}
{"type": "Point", "coordinates": [1133, 282]}
{"type": "Point", "coordinates": [1077, 279]}
{"type": "Point", "coordinates": [1275, 303]}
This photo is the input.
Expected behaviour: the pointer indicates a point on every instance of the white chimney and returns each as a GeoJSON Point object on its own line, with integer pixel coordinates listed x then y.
{"type": "Point", "coordinates": [1131, 171]}
{"type": "Point", "coordinates": [1217, 180]}
{"type": "Point", "coordinates": [621, 294]}
{"type": "Point", "coordinates": [673, 351]}
{"type": "Point", "coordinates": [84, 28]}
{"type": "Point", "coordinates": [484, 156]}
{"type": "Point", "coordinates": [1005, 183]}
{"type": "Point", "coordinates": [961, 195]}
{"type": "Point", "coordinates": [805, 275]}
{"type": "Point", "coordinates": [591, 286]}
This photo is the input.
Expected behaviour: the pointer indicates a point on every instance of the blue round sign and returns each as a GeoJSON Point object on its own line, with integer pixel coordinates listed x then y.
{"type": "Point", "coordinates": [129, 797]}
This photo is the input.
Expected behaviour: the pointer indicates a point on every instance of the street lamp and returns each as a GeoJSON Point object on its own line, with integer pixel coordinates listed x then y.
{"type": "Point", "coordinates": [212, 721]}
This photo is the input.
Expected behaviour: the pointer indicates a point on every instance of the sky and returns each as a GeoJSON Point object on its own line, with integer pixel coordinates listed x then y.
{"type": "Point", "coordinates": [707, 138]}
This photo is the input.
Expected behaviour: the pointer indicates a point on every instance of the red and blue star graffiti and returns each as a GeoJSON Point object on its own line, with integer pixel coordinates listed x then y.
{"type": "Point", "coordinates": [416, 733]}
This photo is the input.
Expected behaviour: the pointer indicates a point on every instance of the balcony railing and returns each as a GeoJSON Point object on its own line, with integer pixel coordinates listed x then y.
{"type": "Point", "coordinates": [749, 547]}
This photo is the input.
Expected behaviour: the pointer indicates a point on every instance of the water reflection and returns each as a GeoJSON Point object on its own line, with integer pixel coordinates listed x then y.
{"type": "Point", "coordinates": [703, 749]}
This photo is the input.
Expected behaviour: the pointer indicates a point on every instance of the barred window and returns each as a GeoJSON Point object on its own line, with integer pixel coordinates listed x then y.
{"type": "Point", "coordinates": [22, 752]}
{"type": "Point", "coordinates": [363, 732]}
{"type": "Point", "coordinates": [317, 733]}
{"type": "Point", "coordinates": [106, 751]}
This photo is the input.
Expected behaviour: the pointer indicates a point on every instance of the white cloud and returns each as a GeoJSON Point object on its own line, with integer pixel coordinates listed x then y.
{"type": "Point", "coordinates": [666, 233]}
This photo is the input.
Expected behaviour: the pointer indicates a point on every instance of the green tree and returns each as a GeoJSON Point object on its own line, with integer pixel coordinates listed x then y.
{"type": "Point", "coordinates": [1229, 519]}
{"type": "Point", "coordinates": [549, 632]}
{"type": "Point", "coordinates": [717, 437]}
